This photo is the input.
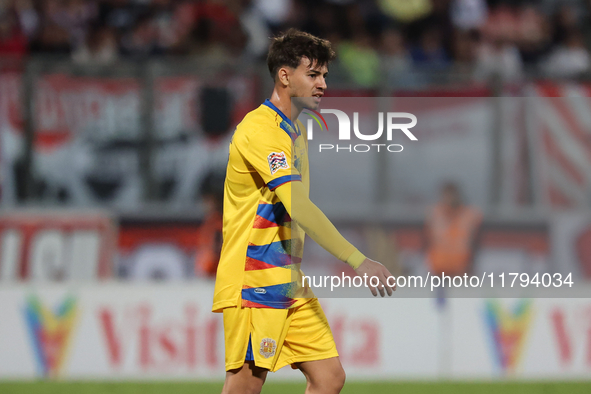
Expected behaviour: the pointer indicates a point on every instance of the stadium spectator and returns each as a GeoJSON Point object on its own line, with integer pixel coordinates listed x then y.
{"type": "Point", "coordinates": [570, 59]}
{"type": "Point", "coordinates": [28, 17]}
{"type": "Point", "coordinates": [120, 14]}
{"type": "Point", "coordinates": [534, 36]}
{"type": "Point", "coordinates": [142, 41]}
{"type": "Point", "coordinates": [256, 31]}
{"type": "Point", "coordinates": [405, 10]}
{"type": "Point", "coordinates": [585, 22]}
{"type": "Point", "coordinates": [468, 14]}
{"type": "Point", "coordinates": [74, 16]}
{"type": "Point", "coordinates": [395, 59]}
{"type": "Point", "coordinates": [52, 40]}
{"type": "Point", "coordinates": [275, 12]}
{"type": "Point", "coordinates": [360, 60]}
{"type": "Point", "coordinates": [13, 43]}
{"type": "Point", "coordinates": [218, 34]}
{"type": "Point", "coordinates": [429, 53]}
{"type": "Point", "coordinates": [99, 48]}
{"type": "Point", "coordinates": [173, 23]}
{"type": "Point", "coordinates": [564, 20]}
{"type": "Point", "coordinates": [503, 22]}
{"type": "Point", "coordinates": [465, 49]}
{"type": "Point", "coordinates": [439, 36]}
{"type": "Point", "coordinates": [498, 57]}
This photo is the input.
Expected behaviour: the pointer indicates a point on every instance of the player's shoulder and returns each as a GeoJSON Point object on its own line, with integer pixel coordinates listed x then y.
{"type": "Point", "coordinates": [258, 123]}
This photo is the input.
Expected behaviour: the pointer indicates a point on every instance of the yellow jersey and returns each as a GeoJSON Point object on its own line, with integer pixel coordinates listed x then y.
{"type": "Point", "coordinates": [262, 249]}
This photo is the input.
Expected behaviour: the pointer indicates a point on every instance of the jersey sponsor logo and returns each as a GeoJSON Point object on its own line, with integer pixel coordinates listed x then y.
{"type": "Point", "coordinates": [268, 347]}
{"type": "Point", "coordinates": [260, 291]}
{"type": "Point", "coordinates": [277, 161]}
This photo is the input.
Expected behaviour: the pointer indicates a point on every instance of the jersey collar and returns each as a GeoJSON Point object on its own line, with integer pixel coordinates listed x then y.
{"type": "Point", "coordinates": [269, 104]}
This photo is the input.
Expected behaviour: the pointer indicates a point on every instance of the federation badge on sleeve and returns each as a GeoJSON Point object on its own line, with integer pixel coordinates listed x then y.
{"type": "Point", "coordinates": [277, 161]}
{"type": "Point", "coordinates": [268, 347]}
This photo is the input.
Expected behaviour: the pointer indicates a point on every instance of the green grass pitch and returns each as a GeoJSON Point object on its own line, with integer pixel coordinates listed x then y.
{"type": "Point", "coordinates": [293, 388]}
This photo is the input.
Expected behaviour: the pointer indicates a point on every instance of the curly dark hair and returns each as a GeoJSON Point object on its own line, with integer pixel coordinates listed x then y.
{"type": "Point", "coordinates": [288, 49]}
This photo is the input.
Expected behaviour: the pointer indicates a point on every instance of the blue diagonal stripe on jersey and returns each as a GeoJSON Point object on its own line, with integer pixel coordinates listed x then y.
{"type": "Point", "coordinates": [275, 253]}
{"type": "Point", "coordinates": [276, 296]}
{"type": "Point", "coordinates": [275, 183]}
{"type": "Point", "coordinates": [275, 213]}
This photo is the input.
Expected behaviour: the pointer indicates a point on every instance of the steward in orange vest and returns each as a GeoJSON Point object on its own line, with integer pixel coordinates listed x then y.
{"type": "Point", "coordinates": [451, 231]}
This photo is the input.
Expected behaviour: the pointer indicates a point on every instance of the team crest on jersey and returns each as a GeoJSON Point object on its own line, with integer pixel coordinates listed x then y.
{"type": "Point", "coordinates": [268, 347]}
{"type": "Point", "coordinates": [277, 161]}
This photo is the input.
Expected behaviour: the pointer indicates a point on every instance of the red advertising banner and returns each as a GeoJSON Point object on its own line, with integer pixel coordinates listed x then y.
{"type": "Point", "coordinates": [157, 251]}
{"type": "Point", "coordinates": [56, 246]}
{"type": "Point", "coordinates": [110, 108]}
{"type": "Point", "coordinates": [103, 109]}
{"type": "Point", "coordinates": [89, 133]}
{"type": "Point", "coordinates": [560, 144]}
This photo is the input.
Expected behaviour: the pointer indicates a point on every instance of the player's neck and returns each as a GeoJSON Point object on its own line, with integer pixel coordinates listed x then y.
{"type": "Point", "coordinates": [284, 104]}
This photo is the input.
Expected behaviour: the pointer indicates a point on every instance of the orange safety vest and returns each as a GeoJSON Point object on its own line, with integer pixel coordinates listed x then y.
{"type": "Point", "coordinates": [451, 236]}
{"type": "Point", "coordinates": [209, 245]}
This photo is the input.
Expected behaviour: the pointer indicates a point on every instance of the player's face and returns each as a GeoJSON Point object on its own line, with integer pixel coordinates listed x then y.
{"type": "Point", "coordinates": [308, 82]}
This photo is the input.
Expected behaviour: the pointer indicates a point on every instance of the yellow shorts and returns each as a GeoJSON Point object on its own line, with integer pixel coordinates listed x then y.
{"type": "Point", "coordinates": [279, 337]}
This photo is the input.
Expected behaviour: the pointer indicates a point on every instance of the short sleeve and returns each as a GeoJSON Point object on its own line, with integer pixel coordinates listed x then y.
{"type": "Point", "coordinates": [269, 152]}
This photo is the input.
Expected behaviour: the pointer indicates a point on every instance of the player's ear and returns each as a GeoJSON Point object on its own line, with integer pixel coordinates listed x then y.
{"type": "Point", "coordinates": [283, 76]}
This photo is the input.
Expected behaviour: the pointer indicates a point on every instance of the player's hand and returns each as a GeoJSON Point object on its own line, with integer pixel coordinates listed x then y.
{"type": "Point", "coordinates": [373, 268]}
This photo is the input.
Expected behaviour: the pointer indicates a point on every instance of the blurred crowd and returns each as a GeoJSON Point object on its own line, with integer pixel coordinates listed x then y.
{"type": "Point", "coordinates": [373, 37]}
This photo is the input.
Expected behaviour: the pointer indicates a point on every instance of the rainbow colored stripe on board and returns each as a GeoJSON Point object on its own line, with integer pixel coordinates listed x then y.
{"type": "Point", "coordinates": [51, 333]}
{"type": "Point", "coordinates": [508, 331]}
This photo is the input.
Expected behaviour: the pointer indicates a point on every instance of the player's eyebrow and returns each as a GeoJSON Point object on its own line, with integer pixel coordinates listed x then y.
{"type": "Point", "coordinates": [317, 72]}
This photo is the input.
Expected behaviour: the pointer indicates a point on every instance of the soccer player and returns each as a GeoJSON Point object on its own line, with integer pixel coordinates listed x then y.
{"type": "Point", "coordinates": [270, 319]}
